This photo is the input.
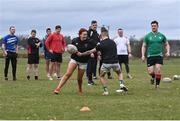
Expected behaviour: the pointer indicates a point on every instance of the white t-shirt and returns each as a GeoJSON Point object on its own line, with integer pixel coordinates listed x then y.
{"type": "Point", "coordinates": [122, 45]}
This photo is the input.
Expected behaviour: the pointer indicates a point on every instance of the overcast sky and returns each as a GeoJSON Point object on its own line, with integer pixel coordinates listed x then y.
{"type": "Point", "coordinates": [132, 15]}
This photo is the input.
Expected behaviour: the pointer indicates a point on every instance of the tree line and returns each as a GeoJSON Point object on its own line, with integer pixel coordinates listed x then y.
{"type": "Point", "coordinates": [135, 45]}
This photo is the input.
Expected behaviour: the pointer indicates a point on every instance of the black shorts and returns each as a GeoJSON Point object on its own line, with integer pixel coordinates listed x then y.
{"type": "Point", "coordinates": [123, 59]}
{"type": "Point", "coordinates": [33, 59]}
{"type": "Point", "coordinates": [56, 57]}
{"type": "Point", "coordinates": [151, 61]}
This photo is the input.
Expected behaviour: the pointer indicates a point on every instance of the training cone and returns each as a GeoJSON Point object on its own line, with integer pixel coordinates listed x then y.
{"type": "Point", "coordinates": [85, 109]}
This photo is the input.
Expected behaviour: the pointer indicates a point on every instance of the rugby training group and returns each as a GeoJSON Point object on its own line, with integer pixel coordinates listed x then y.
{"type": "Point", "coordinates": [86, 51]}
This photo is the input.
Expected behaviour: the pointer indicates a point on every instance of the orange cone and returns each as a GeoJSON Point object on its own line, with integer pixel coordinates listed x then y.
{"type": "Point", "coordinates": [85, 109]}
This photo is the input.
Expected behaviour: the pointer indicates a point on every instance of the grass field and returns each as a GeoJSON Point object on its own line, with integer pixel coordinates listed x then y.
{"type": "Point", "coordinates": [25, 99]}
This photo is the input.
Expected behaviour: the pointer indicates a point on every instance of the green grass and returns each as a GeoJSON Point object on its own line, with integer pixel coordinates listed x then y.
{"type": "Point", "coordinates": [34, 99]}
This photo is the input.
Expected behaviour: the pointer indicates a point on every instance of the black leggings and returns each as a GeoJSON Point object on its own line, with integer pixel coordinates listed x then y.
{"type": "Point", "coordinates": [126, 67]}
{"type": "Point", "coordinates": [11, 56]}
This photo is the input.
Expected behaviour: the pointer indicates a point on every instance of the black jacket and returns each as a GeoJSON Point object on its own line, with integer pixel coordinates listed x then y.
{"type": "Point", "coordinates": [93, 36]}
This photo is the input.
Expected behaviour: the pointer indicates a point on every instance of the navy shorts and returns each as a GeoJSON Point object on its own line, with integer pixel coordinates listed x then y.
{"type": "Point", "coordinates": [47, 55]}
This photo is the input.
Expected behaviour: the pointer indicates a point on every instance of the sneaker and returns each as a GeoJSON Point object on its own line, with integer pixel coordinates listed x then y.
{"type": "Point", "coordinates": [105, 93]}
{"type": "Point", "coordinates": [94, 77]}
{"type": "Point", "coordinates": [48, 75]}
{"type": "Point", "coordinates": [91, 83]}
{"type": "Point", "coordinates": [55, 75]}
{"type": "Point", "coordinates": [50, 78]}
{"type": "Point", "coordinates": [59, 78]}
{"type": "Point", "coordinates": [28, 77]}
{"type": "Point", "coordinates": [129, 76]}
{"type": "Point", "coordinates": [157, 86]}
{"type": "Point", "coordinates": [6, 78]}
{"type": "Point", "coordinates": [14, 79]}
{"type": "Point", "coordinates": [36, 77]}
{"type": "Point", "coordinates": [123, 87]}
{"type": "Point", "coordinates": [152, 81]}
{"type": "Point", "coordinates": [56, 91]}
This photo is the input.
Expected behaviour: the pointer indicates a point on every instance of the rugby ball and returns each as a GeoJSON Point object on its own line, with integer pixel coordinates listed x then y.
{"type": "Point", "coordinates": [176, 77]}
{"type": "Point", "coordinates": [167, 80]}
{"type": "Point", "coordinates": [71, 49]}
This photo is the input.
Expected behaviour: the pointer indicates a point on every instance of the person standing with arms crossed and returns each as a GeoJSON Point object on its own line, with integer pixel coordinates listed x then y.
{"type": "Point", "coordinates": [33, 55]}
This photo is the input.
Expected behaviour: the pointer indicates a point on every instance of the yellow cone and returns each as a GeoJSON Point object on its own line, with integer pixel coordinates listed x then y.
{"type": "Point", "coordinates": [85, 109]}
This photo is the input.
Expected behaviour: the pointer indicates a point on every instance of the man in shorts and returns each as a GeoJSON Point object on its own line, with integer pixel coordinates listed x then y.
{"type": "Point", "coordinates": [153, 43]}
{"type": "Point", "coordinates": [109, 59]}
{"type": "Point", "coordinates": [47, 54]}
{"type": "Point", "coordinates": [123, 50]}
{"type": "Point", "coordinates": [56, 44]}
{"type": "Point", "coordinates": [33, 55]}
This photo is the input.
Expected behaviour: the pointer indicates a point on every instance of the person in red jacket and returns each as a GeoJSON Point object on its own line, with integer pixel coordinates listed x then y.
{"type": "Point", "coordinates": [56, 44]}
